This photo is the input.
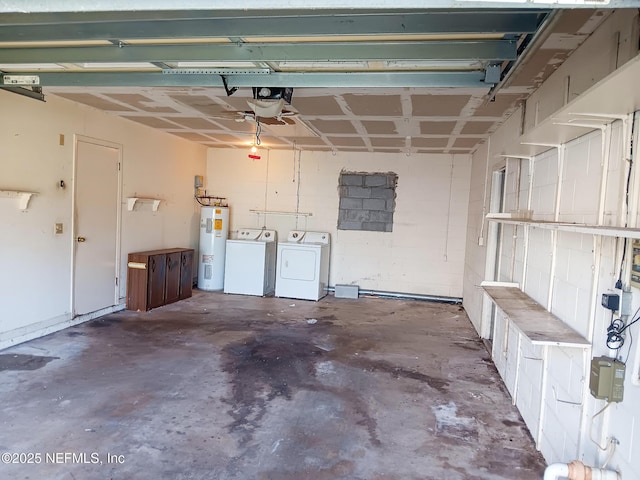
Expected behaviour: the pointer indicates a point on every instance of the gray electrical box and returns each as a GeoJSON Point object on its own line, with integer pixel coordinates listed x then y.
{"type": "Point", "coordinates": [607, 379]}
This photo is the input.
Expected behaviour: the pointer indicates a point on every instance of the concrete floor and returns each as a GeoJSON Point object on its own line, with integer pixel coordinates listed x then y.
{"type": "Point", "coordinates": [232, 387]}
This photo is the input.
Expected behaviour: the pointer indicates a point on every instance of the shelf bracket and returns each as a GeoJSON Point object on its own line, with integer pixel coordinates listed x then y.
{"type": "Point", "coordinates": [520, 157]}
{"type": "Point", "coordinates": [540, 144]}
{"type": "Point", "coordinates": [23, 197]}
{"type": "Point", "coordinates": [610, 116]}
{"type": "Point", "coordinates": [131, 202]}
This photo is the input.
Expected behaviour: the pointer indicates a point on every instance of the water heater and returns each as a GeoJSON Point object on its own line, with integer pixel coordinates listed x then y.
{"type": "Point", "coordinates": [214, 229]}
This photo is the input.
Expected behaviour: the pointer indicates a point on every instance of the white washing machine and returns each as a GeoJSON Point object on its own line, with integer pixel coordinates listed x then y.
{"type": "Point", "coordinates": [250, 263]}
{"type": "Point", "coordinates": [303, 265]}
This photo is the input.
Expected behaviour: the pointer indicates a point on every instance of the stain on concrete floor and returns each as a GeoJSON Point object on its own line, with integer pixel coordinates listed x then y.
{"type": "Point", "coordinates": [231, 387]}
{"type": "Point", "coordinates": [19, 361]}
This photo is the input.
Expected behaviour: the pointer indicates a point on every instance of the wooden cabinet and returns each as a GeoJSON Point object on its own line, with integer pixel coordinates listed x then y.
{"type": "Point", "coordinates": [172, 278]}
{"type": "Point", "coordinates": [159, 277]}
{"type": "Point", "coordinates": [186, 273]}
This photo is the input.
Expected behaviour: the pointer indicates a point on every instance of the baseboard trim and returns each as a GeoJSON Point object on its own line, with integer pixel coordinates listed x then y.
{"type": "Point", "coordinates": [55, 324]}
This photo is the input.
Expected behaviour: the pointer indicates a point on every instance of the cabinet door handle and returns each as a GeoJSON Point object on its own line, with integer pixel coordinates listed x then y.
{"type": "Point", "coordinates": [81, 239]}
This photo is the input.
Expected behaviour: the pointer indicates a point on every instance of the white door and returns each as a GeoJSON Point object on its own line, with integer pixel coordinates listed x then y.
{"type": "Point", "coordinates": [96, 226]}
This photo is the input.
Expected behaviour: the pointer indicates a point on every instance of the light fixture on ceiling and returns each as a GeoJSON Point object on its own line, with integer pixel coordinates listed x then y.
{"type": "Point", "coordinates": [266, 108]}
{"type": "Point", "coordinates": [256, 142]}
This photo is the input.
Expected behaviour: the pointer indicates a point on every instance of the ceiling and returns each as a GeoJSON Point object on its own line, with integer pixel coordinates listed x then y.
{"type": "Point", "coordinates": [410, 81]}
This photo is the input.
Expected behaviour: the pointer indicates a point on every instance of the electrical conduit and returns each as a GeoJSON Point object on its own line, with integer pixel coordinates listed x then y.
{"type": "Point", "coordinates": [577, 470]}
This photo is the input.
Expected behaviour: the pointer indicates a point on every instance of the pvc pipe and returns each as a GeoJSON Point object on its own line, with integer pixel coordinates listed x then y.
{"type": "Point", "coordinates": [556, 470]}
{"type": "Point", "coordinates": [410, 296]}
{"type": "Point", "coordinates": [577, 470]}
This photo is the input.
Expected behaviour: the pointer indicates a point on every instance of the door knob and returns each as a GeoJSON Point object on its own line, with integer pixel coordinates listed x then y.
{"type": "Point", "coordinates": [81, 239]}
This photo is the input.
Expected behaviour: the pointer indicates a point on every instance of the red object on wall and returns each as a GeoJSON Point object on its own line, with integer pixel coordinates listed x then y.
{"type": "Point", "coordinates": [255, 157]}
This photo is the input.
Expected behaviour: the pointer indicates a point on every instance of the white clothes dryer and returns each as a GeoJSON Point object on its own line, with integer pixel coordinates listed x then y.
{"type": "Point", "coordinates": [303, 265]}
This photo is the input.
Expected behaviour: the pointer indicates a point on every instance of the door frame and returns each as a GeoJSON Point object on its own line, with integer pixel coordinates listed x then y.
{"type": "Point", "coordinates": [77, 138]}
{"type": "Point", "coordinates": [494, 247]}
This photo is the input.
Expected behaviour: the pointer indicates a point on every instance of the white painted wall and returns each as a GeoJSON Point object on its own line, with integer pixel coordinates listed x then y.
{"type": "Point", "coordinates": [425, 252]}
{"type": "Point", "coordinates": [565, 272]}
{"type": "Point", "coordinates": [36, 265]}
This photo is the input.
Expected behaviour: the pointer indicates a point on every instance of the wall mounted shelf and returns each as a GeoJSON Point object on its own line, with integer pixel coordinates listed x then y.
{"type": "Point", "coordinates": [535, 324]}
{"type": "Point", "coordinates": [23, 197]}
{"type": "Point", "coordinates": [613, 97]}
{"type": "Point", "coordinates": [531, 319]}
{"type": "Point", "coordinates": [131, 202]}
{"type": "Point", "coordinates": [606, 231]}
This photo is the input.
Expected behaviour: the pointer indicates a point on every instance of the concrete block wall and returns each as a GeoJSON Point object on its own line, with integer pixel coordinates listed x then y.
{"type": "Point", "coordinates": [572, 280]}
{"type": "Point", "coordinates": [584, 266]}
{"type": "Point", "coordinates": [545, 183]}
{"type": "Point", "coordinates": [529, 386]}
{"type": "Point", "coordinates": [367, 201]}
{"type": "Point", "coordinates": [574, 269]}
{"type": "Point", "coordinates": [500, 345]}
{"type": "Point", "coordinates": [520, 233]}
{"type": "Point", "coordinates": [616, 177]}
{"type": "Point", "coordinates": [581, 178]}
{"type": "Point", "coordinates": [505, 273]}
{"type": "Point", "coordinates": [423, 254]}
{"type": "Point", "coordinates": [505, 350]}
{"type": "Point", "coordinates": [538, 276]}
{"type": "Point", "coordinates": [564, 401]}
